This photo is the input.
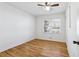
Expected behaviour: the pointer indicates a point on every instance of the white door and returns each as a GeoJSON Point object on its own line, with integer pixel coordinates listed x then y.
{"type": "Point", "coordinates": [72, 29]}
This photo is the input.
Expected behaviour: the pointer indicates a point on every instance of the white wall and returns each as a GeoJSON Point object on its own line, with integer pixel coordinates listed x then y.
{"type": "Point", "coordinates": [40, 34]}
{"type": "Point", "coordinates": [16, 27]}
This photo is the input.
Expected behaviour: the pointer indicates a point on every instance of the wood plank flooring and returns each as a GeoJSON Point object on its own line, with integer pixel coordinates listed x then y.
{"type": "Point", "coordinates": [38, 48]}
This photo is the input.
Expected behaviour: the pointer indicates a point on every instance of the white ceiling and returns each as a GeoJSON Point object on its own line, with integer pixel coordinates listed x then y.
{"type": "Point", "coordinates": [32, 8]}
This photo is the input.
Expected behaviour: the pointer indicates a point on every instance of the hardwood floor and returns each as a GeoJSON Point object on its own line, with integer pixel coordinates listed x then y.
{"type": "Point", "coordinates": [38, 48]}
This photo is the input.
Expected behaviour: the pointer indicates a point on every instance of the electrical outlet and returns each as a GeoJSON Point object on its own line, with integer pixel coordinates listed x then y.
{"type": "Point", "coordinates": [50, 37]}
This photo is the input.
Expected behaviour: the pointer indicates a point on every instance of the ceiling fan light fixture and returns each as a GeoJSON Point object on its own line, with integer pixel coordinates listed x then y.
{"type": "Point", "coordinates": [47, 8]}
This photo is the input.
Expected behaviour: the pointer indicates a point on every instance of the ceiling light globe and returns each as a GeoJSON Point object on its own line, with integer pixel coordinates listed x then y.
{"type": "Point", "coordinates": [47, 8]}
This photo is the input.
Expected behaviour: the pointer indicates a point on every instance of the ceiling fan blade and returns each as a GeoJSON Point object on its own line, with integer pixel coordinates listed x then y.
{"type": "Point", "coordinates": [54, 5]}
{"type": "Point", "coordinates": [40, 5]}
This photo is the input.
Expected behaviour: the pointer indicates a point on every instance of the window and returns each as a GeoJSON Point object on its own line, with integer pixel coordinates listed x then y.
{"type": "Point", "coordinates": [52, 26]}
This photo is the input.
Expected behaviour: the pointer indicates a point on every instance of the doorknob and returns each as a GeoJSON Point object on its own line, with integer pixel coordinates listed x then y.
{"type": "Point", "coordinates": [76, 42]}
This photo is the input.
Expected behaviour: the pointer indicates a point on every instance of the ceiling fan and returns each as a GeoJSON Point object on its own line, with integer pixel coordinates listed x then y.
{"type": "Point", "coordinates": [47, 5]}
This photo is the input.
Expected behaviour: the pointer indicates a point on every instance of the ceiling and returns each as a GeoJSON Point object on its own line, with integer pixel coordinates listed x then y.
{"type": "Point", "coordinates": [32, 8]}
